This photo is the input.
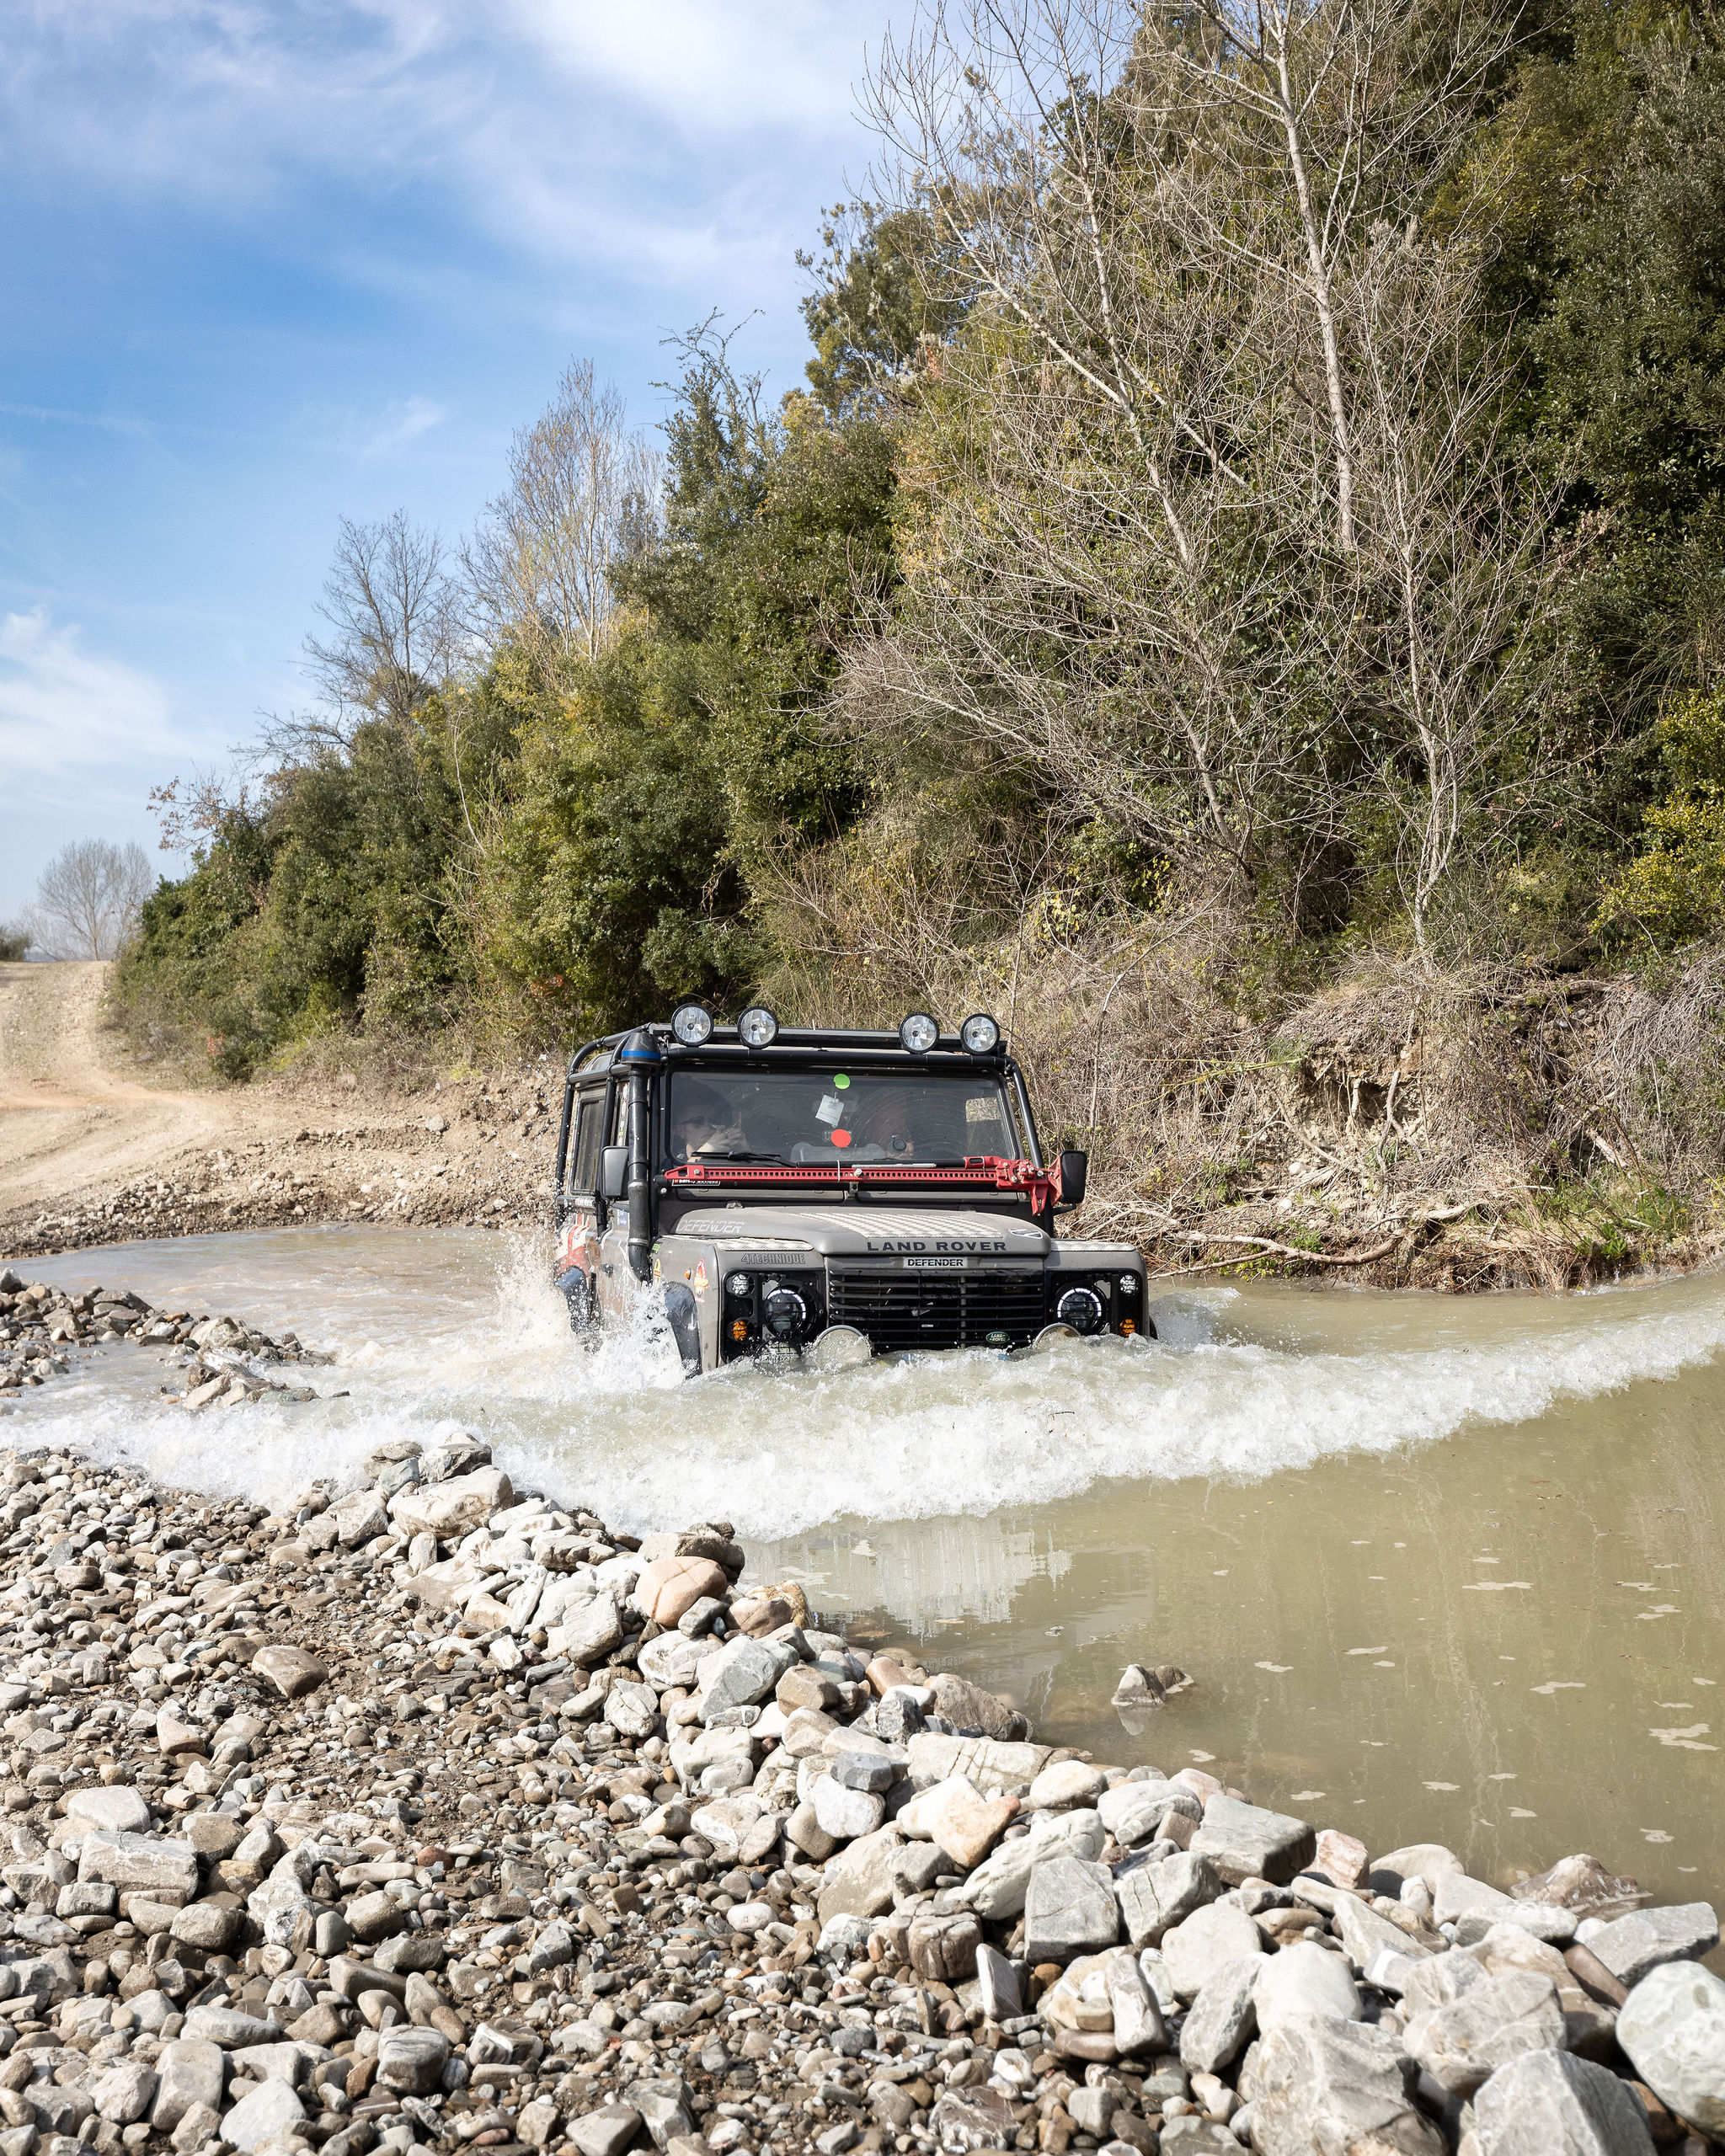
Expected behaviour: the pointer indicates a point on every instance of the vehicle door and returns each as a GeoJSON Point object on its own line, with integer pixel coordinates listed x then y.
{"type": "Point", "coordinates": [615, 1284]}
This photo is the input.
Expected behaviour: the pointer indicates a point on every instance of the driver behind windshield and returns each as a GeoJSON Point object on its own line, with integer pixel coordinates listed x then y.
{"type": "Point", "coordinates": [702, 1122]}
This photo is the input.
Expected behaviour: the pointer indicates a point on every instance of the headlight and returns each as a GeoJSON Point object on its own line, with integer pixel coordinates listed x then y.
{"type": "Point", "coordinates": [785, 1311]}
{"type": "Point", "coordinates": [1081, 1308]}
{"type": "Point", "coordinates": [980, 1035]}
{"type": "Point", "coordinates": [919, 1032]}
{"type": "Point", "coordinates": [757, 1027]}
{"type": "Point", "coordinates": [736, 1284]}
{"type": "Point", "coordinates": [691, 1023]}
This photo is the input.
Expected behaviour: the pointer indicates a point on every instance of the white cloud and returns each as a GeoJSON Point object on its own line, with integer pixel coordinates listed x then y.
{"type": "Point", "coordinates": [402, 423]}
{"type": "Point", "coordinates": [63, 708]}
{"type": "Point", "coordinates": [578, 130]}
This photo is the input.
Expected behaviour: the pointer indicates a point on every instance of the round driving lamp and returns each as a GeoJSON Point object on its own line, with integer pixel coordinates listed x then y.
{"type": "Point", "coordinates": [784, 1312]}
{"type": "Point", "coordinates": [980, 1035]}
{"type": "Point", "coordinates": [757, 1027]}
{"type": "Point", "coordinates": [919, 1032]}
{"type": "Point", "coordinates": [1081, 1308]}
{"type": "Point", "coordinates": [692, 1024]}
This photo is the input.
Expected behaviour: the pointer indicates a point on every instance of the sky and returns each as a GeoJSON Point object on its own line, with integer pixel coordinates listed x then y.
{"type": "Point", "coordinates": [271, 263]}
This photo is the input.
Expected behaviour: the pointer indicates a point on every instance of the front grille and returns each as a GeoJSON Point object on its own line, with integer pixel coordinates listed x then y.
{"type": "Point", "coordinates": [898, 1309]}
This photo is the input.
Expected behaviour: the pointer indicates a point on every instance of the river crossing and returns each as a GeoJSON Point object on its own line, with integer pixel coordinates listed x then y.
{"type": "Point", "coordinates": [1447, 1566]}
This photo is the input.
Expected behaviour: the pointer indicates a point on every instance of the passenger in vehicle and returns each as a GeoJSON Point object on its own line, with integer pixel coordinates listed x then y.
{"type": "Point", "coordinates": [704, 1121]}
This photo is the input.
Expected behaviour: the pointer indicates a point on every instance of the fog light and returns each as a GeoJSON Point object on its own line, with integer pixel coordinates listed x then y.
{"type": "Point", "coordinates": [736, 1284]}
{"type": "Point", "coordinates": [919, 1032]}
{"type": "Point", "coordinates": [980, 1035]}
{"type": "Point", "coordinates": [691, 1023]}
{"type": "Point", "coordinates": [1129, 1284]}
{"type": "Point", "coordinates": [757, 1027]}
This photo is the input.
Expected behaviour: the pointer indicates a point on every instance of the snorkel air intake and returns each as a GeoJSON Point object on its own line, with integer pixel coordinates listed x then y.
{"type": "Point", "coordinates": [639, 1055]}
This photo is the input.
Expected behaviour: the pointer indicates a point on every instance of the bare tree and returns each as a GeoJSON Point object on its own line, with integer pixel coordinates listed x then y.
{"type": "Point", "coordinates": [88, 897]}
{"type": "Point", "coordinates": [584, 490]}
{"type": "Point", "coordinates": [1144, 566]}
{"type": "Point", "coordinates": [389, 608]}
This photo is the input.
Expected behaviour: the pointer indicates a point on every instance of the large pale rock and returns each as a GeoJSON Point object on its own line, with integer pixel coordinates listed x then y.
{"type": "Point", "coordinates": [670, 1585]}
{"type": "Point", "coordinates": [587, 1629]}
{"type": "Point", "coordinates": [1364, 1935]}
{"type": "Point", "coordinates": [1330, 2088]}
{"type": "Point", "coordinates": [1342, 1859]}
{"type": "Point", "coordinates": [1155, 1896]}
{"type": "Point", "coordinates": [743, 1674]}
{"type": "Point", "coordinates": [860, 1882]}
{"type": "Point", "coordinates": [606, 2132]}
{"type": "Point", "coordinates": [188, 2071]}
{"type": "Point", "coordinates": [1139, 2030]}
{"type": "Point", "coordinates": [631, 1710]}
{"type": "Point", "coordinates": [1672, 2027]}
{"type": "Point", "coordinates": [1428, 1860]}
{"type": "Point", "coordinates": [273, 2108]}
{"type": "Point", "coordinates": [1068, 1783]}
{"type": "Point", "coordinates": [291, 1670]}
{"type": "Point", "coordinates": [1223, 2015]}
{"type": "Point", "coordinates": [1132, 1812]}
{"type": "Point", "coordinates": [124, 2092]}
{"type": "Point", "coordinates": [1069, 1910]}
{"type": "Point", "coordinates": [120, 1809]}
{"type": "Point", "coordinates": [1547, 2104]}
{"type": "Point", "coordinates": [1002, 1999]}
{"type": "Point", "coordinates": [1244, 1841]}
{"type": "Point", "coordinates": [964, 1823]}
{"type": "Point", "coordinates": [138, 1861]}
{"type": "Point", "coordinates": [1197, 1947]}
{"type": "Point", "coordinates": [448, 1584]}
{"type": "Point", "coordinates": [412, 2060]}
{"type": "Point", "coordinates": [1494, 2020]}
{"type": "Point", "coordinates": [846, 1813]}
{"type": "Point", "coordinates": [1009, 1768]}
{"type": "Point", "coordinates": [1455, 1895]}
{"type": "Point", "coordinates": [1634, 1945]}
{"type": "Point", "coordinates": [968, 1706]}
{"type": "Point", "coordinates": [966, 2119]}
{"type": "Point", "coordinates": [1589, 2027]}
{"type": "Point", "coordinates": [671, 1661]}
{"type": "Point", "coordinates": [449, 1509]}
{"type": "Point", "coordinates": [360, 1517]}
{"type": "Point", "coordinates": [729, 1822]}
{"type": "Point", "coordinates": [1305, 1979]}
{"type": "Point", "coordinates": [997, 1887]}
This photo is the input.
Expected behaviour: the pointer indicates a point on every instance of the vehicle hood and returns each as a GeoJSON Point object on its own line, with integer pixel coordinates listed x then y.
{"type": "Point", "coordinates": [871, 1231]}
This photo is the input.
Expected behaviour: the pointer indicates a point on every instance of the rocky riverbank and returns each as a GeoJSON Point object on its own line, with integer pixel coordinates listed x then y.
{"type": "Point", "coordinates": [433, 1813]}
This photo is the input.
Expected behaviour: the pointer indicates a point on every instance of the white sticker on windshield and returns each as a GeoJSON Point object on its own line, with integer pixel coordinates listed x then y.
{"type": "Point", "coordinates": [831, 1109]}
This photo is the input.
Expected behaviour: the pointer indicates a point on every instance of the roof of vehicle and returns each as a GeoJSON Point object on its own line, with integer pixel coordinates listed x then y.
{"type": "Point", "coordinates": [792, 1043]}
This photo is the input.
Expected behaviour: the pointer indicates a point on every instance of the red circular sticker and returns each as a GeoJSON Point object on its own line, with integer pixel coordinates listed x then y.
{"type": "Point", "coordinates": [842, 1138]}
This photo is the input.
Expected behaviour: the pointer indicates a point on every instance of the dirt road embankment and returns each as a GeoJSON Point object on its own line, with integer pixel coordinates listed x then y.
{"type": "Point", "coordinates": [91, 1152]}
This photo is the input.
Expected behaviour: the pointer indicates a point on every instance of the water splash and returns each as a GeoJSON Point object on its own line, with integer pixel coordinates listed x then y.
{"type": "Point", "coordinates": [464, 1327]}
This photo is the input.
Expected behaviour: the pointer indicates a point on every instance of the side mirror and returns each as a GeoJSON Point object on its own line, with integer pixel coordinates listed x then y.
{"type": "Point", "coordinates": [614, 1171]}
{"type": "Point", "coordinates": [1075, 1172]}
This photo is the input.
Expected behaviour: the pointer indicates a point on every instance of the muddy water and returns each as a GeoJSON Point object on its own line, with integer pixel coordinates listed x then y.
{"type": "Point", "coordinates": [1443, 1569]}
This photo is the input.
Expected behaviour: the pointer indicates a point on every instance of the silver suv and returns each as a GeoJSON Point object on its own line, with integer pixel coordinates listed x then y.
{"type": "Point", "coordinates": [840, 1194]}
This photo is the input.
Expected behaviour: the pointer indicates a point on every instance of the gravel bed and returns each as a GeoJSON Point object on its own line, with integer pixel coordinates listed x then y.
{"type": "Point", "coordinates": [433, 1813]}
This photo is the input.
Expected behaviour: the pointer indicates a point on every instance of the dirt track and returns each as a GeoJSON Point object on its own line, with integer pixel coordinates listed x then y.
{"type": "Point", "coordinates": [91, 1152]}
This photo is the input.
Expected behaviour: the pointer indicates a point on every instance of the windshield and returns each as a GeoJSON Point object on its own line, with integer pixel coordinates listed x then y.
{"type": "Point", "coordinates": [821, 1118]}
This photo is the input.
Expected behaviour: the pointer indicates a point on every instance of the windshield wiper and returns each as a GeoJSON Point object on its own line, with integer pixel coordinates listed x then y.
{"type": "Point", "coordinates": [772, 1157]}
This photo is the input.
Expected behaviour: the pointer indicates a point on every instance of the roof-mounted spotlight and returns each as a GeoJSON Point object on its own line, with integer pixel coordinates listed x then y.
{"type": "Point", "coordinates": [980, 1035]}
{"type": "Point", "coordinates": [692, 1024]}
{"type": "Point", "coordinates": [919, 1032]}
{"type": "Point", "coordinates": [757, 1027]}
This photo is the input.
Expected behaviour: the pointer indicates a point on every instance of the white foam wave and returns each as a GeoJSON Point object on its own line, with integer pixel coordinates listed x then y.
{"type": "Point", "coordinates": [1240, 1386]}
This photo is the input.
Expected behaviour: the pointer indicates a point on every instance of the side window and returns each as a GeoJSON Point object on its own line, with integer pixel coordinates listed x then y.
{"type": "Point", "coordinates": [583, 1173]}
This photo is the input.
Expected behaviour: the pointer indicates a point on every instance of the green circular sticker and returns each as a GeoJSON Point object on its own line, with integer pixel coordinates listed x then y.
{"type": "Point", "coordinates": [841, 1081]}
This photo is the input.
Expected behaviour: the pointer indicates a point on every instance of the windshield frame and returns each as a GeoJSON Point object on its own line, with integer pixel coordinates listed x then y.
{"type": "Point", "coordinates": [882, 1075]}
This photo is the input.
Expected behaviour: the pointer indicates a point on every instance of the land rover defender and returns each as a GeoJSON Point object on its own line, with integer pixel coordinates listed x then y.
{"type": "Point", "coordinates": [837, 1194]}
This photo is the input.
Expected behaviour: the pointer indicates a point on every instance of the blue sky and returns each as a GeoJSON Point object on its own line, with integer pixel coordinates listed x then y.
{"type": "Point", "coordinates": [268, 263]}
